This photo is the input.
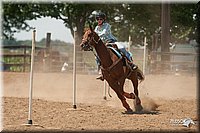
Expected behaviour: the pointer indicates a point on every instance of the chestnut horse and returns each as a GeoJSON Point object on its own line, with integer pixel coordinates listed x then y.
{"type": "Point", "coordinates": [113, 69]}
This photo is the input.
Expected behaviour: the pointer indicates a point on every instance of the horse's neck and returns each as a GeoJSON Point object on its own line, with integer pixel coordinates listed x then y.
{"type": "Point", "coordinates": [103, 54]}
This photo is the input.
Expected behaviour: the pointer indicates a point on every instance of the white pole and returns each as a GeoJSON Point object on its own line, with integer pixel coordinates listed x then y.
{"type": "Point", "coordinates": [129, 43]}
{"type": "Point", "coordinates": [129, 49]}
{"type": "Point", "coordinates": [74, 71]}
{"type": "Point", "coordinates": [31, 79]}
{"type": "Point", "coordinates": [144, 57]}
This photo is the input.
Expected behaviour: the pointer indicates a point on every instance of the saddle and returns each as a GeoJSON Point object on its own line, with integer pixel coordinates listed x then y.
{"type": "Point", "coordinates": [118, 53]}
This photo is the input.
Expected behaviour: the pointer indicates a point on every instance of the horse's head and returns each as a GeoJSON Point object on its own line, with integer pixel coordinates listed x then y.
{"type": "Point", "coordinates": [90, 39]}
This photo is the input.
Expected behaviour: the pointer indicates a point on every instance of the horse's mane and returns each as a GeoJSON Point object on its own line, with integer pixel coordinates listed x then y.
{"type": "Point", "coordinates": [86, 32]}
{"type": "Point", "coordinates": [86, 29]}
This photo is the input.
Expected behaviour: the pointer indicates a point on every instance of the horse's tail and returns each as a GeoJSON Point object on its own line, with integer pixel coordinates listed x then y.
{"type": "Point", "coordinates": [140, 75]}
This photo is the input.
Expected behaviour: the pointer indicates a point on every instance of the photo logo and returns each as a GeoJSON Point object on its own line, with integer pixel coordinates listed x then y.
{"type": "Point", "coordinates": [184, 122]}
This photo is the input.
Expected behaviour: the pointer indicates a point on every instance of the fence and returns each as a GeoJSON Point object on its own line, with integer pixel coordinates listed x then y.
{"type": "Point", "coordinates": [179, 63]}
{"type": "Point", "coordinates": [16, 57]}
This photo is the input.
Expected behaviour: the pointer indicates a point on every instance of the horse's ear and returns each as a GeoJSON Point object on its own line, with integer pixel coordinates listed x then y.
{"type": "Point", "coordinates": [90, 25]}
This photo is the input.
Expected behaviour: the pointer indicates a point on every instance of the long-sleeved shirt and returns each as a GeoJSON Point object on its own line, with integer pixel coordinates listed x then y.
{"type": "Point", "coordinates": [104, 32]}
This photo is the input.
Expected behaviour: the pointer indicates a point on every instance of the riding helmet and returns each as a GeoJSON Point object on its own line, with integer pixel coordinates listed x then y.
{"type": "Point", "coordinates": [101, 15]}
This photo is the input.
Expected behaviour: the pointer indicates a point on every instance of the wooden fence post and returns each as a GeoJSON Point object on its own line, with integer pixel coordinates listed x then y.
{"type": "Point", "coordinates": [48, 52]}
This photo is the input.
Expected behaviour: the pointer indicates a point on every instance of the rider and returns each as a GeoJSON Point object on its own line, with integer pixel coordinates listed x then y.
{"type": "Point", "coordinates": [103, 29]}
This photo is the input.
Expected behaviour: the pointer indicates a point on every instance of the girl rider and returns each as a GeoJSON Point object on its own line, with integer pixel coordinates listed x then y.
{"type": "Point", "coordinates": [103, 29]}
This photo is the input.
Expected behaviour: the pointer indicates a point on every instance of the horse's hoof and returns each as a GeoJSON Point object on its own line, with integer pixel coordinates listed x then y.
{"type": "Point", "coordinates": [138, 108]}
{"type": "Point", "coordinates": [137, 101]}
{"type": "Point", "coordinates": [137, 104]}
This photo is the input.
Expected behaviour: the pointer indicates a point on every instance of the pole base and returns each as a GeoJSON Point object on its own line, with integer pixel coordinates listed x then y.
{"type": "Point", "coordinates": [74, 106]}
{"type": "Point", "coordinates": [104, 98]}
{"type": "Point", "coordinates": [30, 122]}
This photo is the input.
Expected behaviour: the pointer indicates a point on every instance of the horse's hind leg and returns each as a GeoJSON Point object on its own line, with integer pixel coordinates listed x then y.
{"type": "Point", "coordinates": [124, 102]}
{"type": "Point", "coordinates": [137, 103]}
{"type": "Point", "coordinates": [127, 95]}
{"type": "Point", "coordinates": [134, 81]}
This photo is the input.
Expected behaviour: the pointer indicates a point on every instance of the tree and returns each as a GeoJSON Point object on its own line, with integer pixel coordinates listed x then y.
{"type": "Point", "coordinates": [15, 16]}
{"type": "Point", "coordinates": [137, 20]}
{"type": "Point", "coordinates": [184, 21]}
{"type": "Point", "coordinates": [198, 26]}
{"type": "Point", "coordinates": [165, 32]}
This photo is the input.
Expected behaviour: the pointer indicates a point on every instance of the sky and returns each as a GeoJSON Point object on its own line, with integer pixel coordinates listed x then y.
{"type": "Point", "coordinates": [46, 25]}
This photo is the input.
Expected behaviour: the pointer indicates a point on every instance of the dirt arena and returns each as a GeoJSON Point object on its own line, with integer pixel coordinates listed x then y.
{"type": "Point", "coordinates": [167, 101]}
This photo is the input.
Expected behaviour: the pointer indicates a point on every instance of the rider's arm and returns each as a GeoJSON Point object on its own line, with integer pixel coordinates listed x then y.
{"type": "Point", "coordinates": [106, 30]}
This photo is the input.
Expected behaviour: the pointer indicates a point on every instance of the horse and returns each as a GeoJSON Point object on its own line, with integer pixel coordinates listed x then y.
{"type": "Point", "coordinates": [113, 69]}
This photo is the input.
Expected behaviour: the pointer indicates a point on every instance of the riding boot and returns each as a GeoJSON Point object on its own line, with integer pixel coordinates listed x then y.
{"type": "Point", "coordinates": [100, 76]}
{"type": "Point", "coordinates": [133, 66]}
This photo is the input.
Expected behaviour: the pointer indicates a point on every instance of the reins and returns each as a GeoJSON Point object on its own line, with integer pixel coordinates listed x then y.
{"type": "Point", "coordinates": [94, 54]}
{"type": "Point", "coordinates": [97, 42]}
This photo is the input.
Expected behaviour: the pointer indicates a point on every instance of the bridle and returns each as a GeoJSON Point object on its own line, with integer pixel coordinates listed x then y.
{"type": "Point", "coordinates": [96, 42]}
{"type": "Point", "coordinates": [86, 43]}
{"type": "Point", "coordinates": [87, 46]}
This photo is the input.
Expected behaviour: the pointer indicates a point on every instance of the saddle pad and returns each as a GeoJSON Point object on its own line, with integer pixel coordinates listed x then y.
{"type": "Point", "coordinates": [115, 52]}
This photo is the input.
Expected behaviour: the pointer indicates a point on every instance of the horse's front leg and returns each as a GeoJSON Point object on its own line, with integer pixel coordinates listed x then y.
{"type": "Point", "coordinates": [117, 89]}
{"type": "Point", "coordinates": [124, 102]}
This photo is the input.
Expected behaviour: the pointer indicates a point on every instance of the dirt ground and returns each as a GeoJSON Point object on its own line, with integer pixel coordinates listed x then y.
{"type": "Point", "coordinates": [167, 101]}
